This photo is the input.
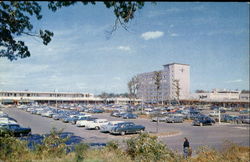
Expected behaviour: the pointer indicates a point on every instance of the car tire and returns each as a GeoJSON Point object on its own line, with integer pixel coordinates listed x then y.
{"type": "Point", "coordinates": [122, 133]}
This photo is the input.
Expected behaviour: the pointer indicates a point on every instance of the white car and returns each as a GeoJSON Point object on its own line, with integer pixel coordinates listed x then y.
{"type": "Point", "coordinates": [85, 114]}
{"type": "Point", "coordinates": [5, 120]}
{"type": "Point", "coordinates": [83, 123]}
{"type": "Point", "coordinates": [96, 124]}
{"type": "Point", "coordinates": [214, 114]}
{"type": "Point", "coordinates": [47, 114]}
{"type": "Point", "coordinates": [107, 128]}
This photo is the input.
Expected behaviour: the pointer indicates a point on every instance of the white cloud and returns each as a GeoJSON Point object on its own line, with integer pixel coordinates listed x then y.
{"type": "Point", "coordinates": [234, 81]}
{"type": "Point", "coordinates": [124, 48]}
{"type": "Point", "coordinates": [152, 35]}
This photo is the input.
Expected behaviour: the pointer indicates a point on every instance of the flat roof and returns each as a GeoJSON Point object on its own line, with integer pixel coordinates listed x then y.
{"type": "Point", "coordinates": [175, 63]}
{"type": "Point", "coordinates": [43, 92]}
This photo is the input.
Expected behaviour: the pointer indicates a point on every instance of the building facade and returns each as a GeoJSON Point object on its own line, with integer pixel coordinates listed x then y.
{"type": "Point", "coordinates": [218, 95]}
{"type": "Point", "coordinates": [28, 96]}
{"type": "Point", "coordinates": [174, 84]}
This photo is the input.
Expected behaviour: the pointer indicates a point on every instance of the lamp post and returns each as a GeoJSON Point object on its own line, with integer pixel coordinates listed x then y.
{"type": "Point", "coordinates": [219, 115]}
{"type": "Point", "coordinates": [56, 98]}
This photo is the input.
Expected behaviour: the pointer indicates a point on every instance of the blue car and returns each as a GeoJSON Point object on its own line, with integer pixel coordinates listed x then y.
{"type": "Point", "coordinates": [129, 116]}
{"type": "Point", "coordinates": [127, 128]}
{"type": "Point", "coordinates": [96, 111]}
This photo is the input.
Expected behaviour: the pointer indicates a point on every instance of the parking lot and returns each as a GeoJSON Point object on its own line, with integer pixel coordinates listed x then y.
{"type": "Point", "coordinates": [213, 136]}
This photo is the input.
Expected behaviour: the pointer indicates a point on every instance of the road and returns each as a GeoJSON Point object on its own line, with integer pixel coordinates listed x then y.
{"type": "Point", "coordinates": [212, 136]}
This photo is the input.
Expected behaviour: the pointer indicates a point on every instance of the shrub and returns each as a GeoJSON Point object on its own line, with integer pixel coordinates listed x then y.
{"type": "Point", "coordinates": [112, 145]}
{"type": "Point", "coordinates": [12, 148]}
{"type": "Point", "coordinates": [52, 146]}
{"type": "Point", "coordinates": [230, 152]}
{"type": "Point", "coordinates": [80, 150]}
{"type": "Point", "coordinates": [147, 148]}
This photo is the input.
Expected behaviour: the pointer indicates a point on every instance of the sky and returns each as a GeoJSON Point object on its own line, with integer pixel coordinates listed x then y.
{"type": "Point", "coordinates": [213, 38]}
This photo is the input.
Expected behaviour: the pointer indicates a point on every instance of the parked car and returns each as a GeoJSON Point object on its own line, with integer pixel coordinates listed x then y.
{"type": "Point", "coordinates": [174, 119]}
{"type": "Point", "coordinates": [161, 119]}
{"type": "Point", "coordinates": [96, 111]}
{"type": "Point", "coordinates": [47, 114]}
{"type": "Point", "coordinates": [115, 113]}
{"type": "Point", "coordinates": [193, 114]}
{"type": "Point", "coordinates": [244, 111]}
{"type": "Point", "coordinates": [96, 124]}
{"type": "Point", "coordinates": [70, 118]}
{"type": "Point", "coordinates": [76, 118]}
{"type": "Point", "coordinates": [82, 123]}
{"type": "Point", "coordinates": [129, 116]}
{"type": "Point", "coordinates": [214, 113]}
{"type": "Point", "coordinates": [120, 114]}
{"type": "Point", "coordinates": [14, 129]}
{"type": "Point", "coordinates": [228, 118]}
{"type": "Point", "coordinates": [7, 120]}
{"type": "Point", "coordinates": [203, 120]}
{"type": "Point", "coordinates": [107, 128]}
{"type": "Point", "coordinates": [126, 128]}
{"type": "Point", "coordinates": [243, 119]}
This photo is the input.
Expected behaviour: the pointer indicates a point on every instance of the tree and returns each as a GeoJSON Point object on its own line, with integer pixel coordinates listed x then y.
{"type": "Point", "coordinates": [133, 86]}
{"type": "Point", "coordinates": [157, 78]}
{"type": "Point", "coordinates": [177, 90]}
{"type": "Point", "coordinates": [104, 96]}
{"type": "Point", "coordinates": [245, 91]}
{"type": "Point", "coordinates": [15, 22]}
{"type": "Point", "coordinates": [200, 91]}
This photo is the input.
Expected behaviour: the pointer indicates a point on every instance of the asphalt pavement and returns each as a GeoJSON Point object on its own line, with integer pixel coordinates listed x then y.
{"type": "Point", "coordinates": [212, 136]}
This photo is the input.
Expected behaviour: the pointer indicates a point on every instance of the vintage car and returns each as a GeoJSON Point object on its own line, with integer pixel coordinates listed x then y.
{"type": "Point", "coordinates": [96, 124]}
{"type": "Point", "coordinates": [83, 122]}
{"type": "Point", "coordinates": [243, 119]}
{"type": "Point", "coordinates": [129, 116]}
{"type": "Point", "coordinates": [108, 127]}
{"type": "Point", "coordinates": [174, 119]}
{"type": "Point", "coordinates": [203, 120]}
{"type": "Point", "coordinates": [126, 128]}
{"type": "Point", "coordinates": [14, 130]}
{"type": "Point", "coordinates": [160, 119]}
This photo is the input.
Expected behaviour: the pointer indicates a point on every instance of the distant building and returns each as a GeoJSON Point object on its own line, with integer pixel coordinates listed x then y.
{"type": "Point", "coordinates": [245, 96]}
{"type": "Point", "coordinates": [122, 100]}
{"type": "Point", "coordinates": [172, 75]}
{"type": "Point", "coordinates": [28, 96]}
{"type": "Point", "coordinates": [221, 95]}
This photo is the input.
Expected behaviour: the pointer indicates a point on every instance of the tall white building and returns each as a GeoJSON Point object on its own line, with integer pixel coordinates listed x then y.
{"type": "Point", "coordinates": [172, 76]}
